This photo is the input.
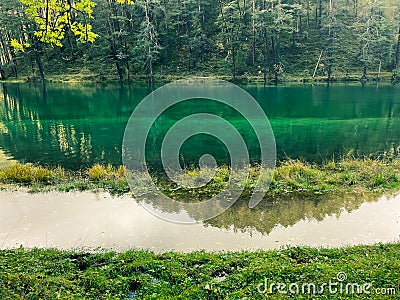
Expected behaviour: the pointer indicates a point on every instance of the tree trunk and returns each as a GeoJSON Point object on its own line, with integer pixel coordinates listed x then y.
{"type": "Point", "coordinates": [355, 8]}
{"type": "Point", "coordinates": [114, 52]}
{"type": "Point", "coordinates": [201, 20]}
{"type": "Point", "coordinates": [5, 57]}
{"type": "Point", "coordinates": [127, 61]}
{"type": "Point", "coordinates": [316, 66]}
{"type": "Point", "coordinates": [330, 40]}
{"type": "Point", "coordinates": [114, 27]}
{"type": "Point", "coordinates": [265, 55]}
{"type": "Point", "coordinates": [276, 60]}
{"type": "Point", "coordinates": [253, 50]}
{"type": "Point", "coordinates": [117, 65]}
{"type": "Point", "coordinates": [378, 77]}
{"type": "Point", "coordinates": [277, 57]}
{"type": "Point", "coordinates": [277, 63]}
{"type": "Point", "coordinates": [149, 49]}
{"type": "Point", "coordinates": [152, 80]}
{"type": "Point", "coordinates": [398, 50]}
{"type": "Point", "coordinates": [13, 58]}
{"type": "Point", "coordinates": [319, 13]}
{"type": "Point", "coordinates": [364, 75]}
{"type": "Point", "coordinates": [233, 64]}
{"type": "Point", "coordinates": [39, 64]}
{"type": "Point", "coordinates": [2, 74]}
{"type": "Point", "coordinates": [308, 16]}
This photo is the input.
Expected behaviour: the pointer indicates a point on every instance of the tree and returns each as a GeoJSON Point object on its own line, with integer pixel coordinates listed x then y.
{"type": "Point", "coordinates": [239, 38]}
{"type": "Point", "coordinates": [231, 22]}
{"type": "Point", "coordinates": [282, 18]}
{"type": "Point", "coordinates": [148, 46]}
{"type": "Point", "coordinates": [374, 38]}
{"type": "Point", "coordinates": [54, 17]}
{"type": "Point", "coordinates": [397, 63]}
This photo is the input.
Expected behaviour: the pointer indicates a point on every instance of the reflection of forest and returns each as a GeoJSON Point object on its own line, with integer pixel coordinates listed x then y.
{"type": "Point", "coordinates": [284, 211]}
{"type": "Point", "coordinates": [76, 126]}
{"type": "Point", "coordinates": [287, 211]}
{"type": "Point", "coordinates": [5, 161]}
{"type": "Point", "coordinates": [63, 125]}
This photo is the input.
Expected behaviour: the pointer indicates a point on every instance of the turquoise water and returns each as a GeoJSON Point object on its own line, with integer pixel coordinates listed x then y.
{"type": "Point", "coordinates": [76, 125]}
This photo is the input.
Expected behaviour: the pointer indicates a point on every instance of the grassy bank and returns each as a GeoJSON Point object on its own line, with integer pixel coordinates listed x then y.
{"type": "Point", "coordinates": [87, 76]}
{"type": "Point", "coordinates": [53, 274]}
{"type": "Point", "coordinates": [290, 176]}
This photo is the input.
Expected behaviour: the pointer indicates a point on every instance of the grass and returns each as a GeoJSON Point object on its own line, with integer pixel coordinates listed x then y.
{"type": "Point", "coordinates": [55, 274]}
{"type": "Point", "coordinates": [291, 176]}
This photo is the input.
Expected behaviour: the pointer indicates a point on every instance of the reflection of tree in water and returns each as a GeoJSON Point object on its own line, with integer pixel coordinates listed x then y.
{"type": "Point", "coordinates": [284, 211]}
{"type": "Point", "coordinates": [287, 211]}
{"type": "Point", "coordinates": [77, 125]}
{"type": "Point", "coordinates": [72, 125]}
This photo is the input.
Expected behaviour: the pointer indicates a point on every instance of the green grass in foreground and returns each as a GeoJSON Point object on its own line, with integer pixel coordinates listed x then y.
{"type": "Point", "coordinates": [291, 176]}
{"type": "Point", "coordinates": [54, 274]}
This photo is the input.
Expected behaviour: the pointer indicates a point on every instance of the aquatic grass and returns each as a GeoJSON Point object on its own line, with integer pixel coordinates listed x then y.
{"type": "Point", "coordinates": [137, 274]}
{"type": "Point", "coordinates": [97, 172]}
{"type": "Point", "coordinates": [100, 172]}
{"type": "Point", "coordinates": [19, 173]}
{"type": "Point", "coordinates": [290, 176]}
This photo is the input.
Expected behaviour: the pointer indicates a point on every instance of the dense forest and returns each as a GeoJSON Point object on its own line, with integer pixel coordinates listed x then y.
{"type": "Point", "coordinates": [271, 40]}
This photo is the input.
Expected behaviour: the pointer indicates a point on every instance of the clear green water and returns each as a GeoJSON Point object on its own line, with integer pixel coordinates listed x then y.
{"type": "Point", "coordinates": [75, 126]}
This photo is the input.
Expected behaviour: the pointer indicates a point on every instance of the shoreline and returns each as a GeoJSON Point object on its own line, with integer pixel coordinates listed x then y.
{"type": "Point", "coordinates": [290, 177]}
{"type": "Point", "coordinates": [386, 78]}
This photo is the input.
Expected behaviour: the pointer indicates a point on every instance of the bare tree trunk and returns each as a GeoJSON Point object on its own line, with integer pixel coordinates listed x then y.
{"type": "Point", "coordinates": [316, 66]}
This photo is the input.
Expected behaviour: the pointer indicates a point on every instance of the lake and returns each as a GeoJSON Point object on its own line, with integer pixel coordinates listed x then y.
{"type": "Point", "coordinates": [78, 125]}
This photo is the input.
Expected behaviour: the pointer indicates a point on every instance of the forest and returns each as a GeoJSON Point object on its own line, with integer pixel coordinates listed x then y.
{"type": "Point", "coordinates": [268, 40]}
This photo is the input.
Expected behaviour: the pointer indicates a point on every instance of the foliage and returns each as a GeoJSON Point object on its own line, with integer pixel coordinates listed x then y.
{"type": "Point", "coordinates": [54, 17]}
{"type": "Point", "coordinates": [276, 39]}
